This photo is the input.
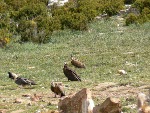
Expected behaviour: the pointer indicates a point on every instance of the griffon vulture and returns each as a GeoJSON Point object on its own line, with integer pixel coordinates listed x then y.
{"type": "Point", "coordinates": [57, 88]}
{"type": "Point", "coordinates": [77, 63]}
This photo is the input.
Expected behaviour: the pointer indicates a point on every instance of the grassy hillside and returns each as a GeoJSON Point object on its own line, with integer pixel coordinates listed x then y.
{"type": "Point", "coordinates": [104, 49]}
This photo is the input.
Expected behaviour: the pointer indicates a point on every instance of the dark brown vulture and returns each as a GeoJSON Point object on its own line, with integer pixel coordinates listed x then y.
{"type": "Point", "coordinates": [21, 81]}
{"type": "Point", "coordinates": [57, 88]}
{"type": "Point", "coordinates": [77, 63]}
{"type": "Point", "coordinates": [70, 74]}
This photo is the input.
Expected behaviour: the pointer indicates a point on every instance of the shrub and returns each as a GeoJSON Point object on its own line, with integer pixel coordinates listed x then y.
{"type": "Point", "coordinates": [70, 17]}
{"type": "Point", "coordinates": [78, 21]}
{"type": "Point", "coordinates": [89, 8]}
{"type": "Point", "coordinates": [129, 1]}
{"type": "Point", "coordinates": [39, 29]}
{"type": "Point", "coordinates": [26, 29]}
{"type": "Point", "coordinates": [15, 4]}
{"type": "Point", "coordinates": [112, 7]}
{"type": "Point", "coordinates": [145, 16]}
{"type": "Point", "coordinates": [36, 22]}
{"type": "Point", "coordinates": [130, 19]}
{"type": "Point", "coordinates": [29, 12]}
{"type": "Point", "coordinates": [144, 8]}
{"type": "Point", "coordinates": [4, 37]}
{"type": "Point", "coordinates": [45, 27]}
{"type": "Point", "coordinates": [141, 4]}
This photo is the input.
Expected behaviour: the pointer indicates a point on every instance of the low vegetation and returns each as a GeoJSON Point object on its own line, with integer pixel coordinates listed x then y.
{"type": "Point", "coordinates": [144, 8]}
{"type": "Point", "coordinates": [35, 22]}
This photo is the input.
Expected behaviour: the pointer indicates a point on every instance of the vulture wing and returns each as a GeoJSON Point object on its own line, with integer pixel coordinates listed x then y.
{"type": "Point", "coordinates": [24, 81]}
{"type": "Point", "coordinates": [21, 81]}
{"type": "Point", "coordinates": [57, 89]}
{"type": "Point", "coordinates": [60, 90]}
{"type": "Point", "coordinates": [74, 76]}
{"type": "Point", "coordinates": [77, 63]}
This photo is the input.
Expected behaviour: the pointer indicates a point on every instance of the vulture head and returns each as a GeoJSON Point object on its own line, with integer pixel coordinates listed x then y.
{"type": "Point", "coordinates": [65, 64]}
{"type": "Point", "coordinates": [12, 75]}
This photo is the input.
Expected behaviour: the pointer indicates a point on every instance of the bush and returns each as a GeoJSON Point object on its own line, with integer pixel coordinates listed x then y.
{"type": "Point", "coordinates": [145, 16]}
{"type": "Point", "coordinates": [70, 17]}
{"type": "Point", "coordinates": [88, 8]}
{"type": "Point", "coordinates": [129, 1]}
{"type": "Point", "coordinates": [78, 21]}
{"type": "Point", "coordinates": [26, 29]}
{"type": "Point", "coordinates": [45, 27]}
{"type": "Point", "coordinates": [144, 8]}
{"type": "Point", "coordinates": [4, 37]}
{"type": "Point", "coordinates": [130, 19]}
{"type": "Point", "coordinates": [33, 21]}
{"type": "Point", "coordinates": [112, 7]}
{"type": "Point", "coordinates": [141, 4]}
{"type": "Point", "coordinates": [30, 12]}
{"type": "Point", "coordinates": [39, 29]}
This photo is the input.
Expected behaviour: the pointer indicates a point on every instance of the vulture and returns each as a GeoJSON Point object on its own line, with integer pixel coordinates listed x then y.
{"type": "Point", "coordinates": [70, 74]}
{"type": "Point", "coordinates": [57, 88]}
{"type": "Point", "coordinates": [21, 81]}
{"type": "Point", "coordinates": [77, 63]}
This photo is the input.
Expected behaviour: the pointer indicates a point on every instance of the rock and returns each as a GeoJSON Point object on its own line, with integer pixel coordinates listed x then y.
{"type": "Point", "coordinates": [110, 105]}
{"type": "Point", "coordinates": [122, 72]}
{"type": "Point", "coordinates": [3, 110]}
{"type": "Point", "coordinates": [18, 100]}
{"type": "Point", "coordinates": [36, 97]}
{"type": "Point", "coordinates": [58, 2]}
{"type": "Point", "coordinates": [29, 103]}
{"type": "Point", "coordinates": [80, 102]}
{"type": "Point", "coordinates": [26, 95]}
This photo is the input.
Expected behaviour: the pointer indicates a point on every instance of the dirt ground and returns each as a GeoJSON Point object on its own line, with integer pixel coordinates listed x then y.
{"type": "Point", "coordinates": [45, 101]}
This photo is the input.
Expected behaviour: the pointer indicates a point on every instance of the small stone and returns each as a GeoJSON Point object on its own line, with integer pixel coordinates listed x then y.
{"type": "Point", "coordinates": [18, 100]}
{"type": "Point", "coordinates": [122, 72]}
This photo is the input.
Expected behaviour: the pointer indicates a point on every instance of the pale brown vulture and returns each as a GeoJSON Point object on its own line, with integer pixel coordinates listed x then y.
{"type": "Point", "coordinates": [70, 74]}
{"type": "Point", "coordinates": [57, 88]}
{"type": "Point", "coordinates": [77, 63]}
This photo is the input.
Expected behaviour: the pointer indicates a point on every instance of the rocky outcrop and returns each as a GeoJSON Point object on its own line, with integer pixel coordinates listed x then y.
{"type": "Point", "coordinates": [110, 105]}
{"type": "Point", "coordinates": [80, 102]}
